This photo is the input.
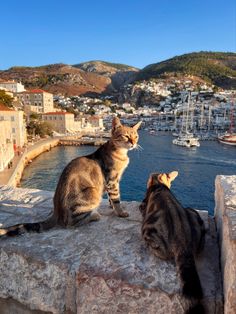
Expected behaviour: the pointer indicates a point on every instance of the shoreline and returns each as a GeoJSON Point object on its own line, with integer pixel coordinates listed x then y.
{"type": "Point", "coordinates": [12, 177]}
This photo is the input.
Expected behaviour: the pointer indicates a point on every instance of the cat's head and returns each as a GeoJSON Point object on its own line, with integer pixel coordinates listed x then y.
{"type": "Point", "coordinates": [162, 178]}
{"type": "Point", "coordinates": [124, 136]}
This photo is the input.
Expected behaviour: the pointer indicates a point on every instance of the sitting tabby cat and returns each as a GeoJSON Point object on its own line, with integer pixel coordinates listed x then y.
{"type": "Point", "coordinates": [172, 231]}
{"type": "Point", "coordinates": [84, 180]}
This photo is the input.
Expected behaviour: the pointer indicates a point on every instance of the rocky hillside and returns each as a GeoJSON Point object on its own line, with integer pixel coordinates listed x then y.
{"type": "Point", "coordinates": [85, 78]}
{"type": "Point", "coordinates": [97, 77]}
{"type": "Point", "coordinates": [59, 78]}
{"type": "Point", "coordinates": [217, 68]}
{"type": "Point", "coordinates": [119, 74]}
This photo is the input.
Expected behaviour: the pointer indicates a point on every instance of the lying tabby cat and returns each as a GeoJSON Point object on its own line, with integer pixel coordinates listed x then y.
{"type": "Point", "coordinates": [84, 180]}
{"type": "Point", "coordinates": [172, 231]}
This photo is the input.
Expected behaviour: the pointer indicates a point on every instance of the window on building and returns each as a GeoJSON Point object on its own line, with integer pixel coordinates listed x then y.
{"type": "Point", "coordinates": [12, 118]}
{"type": "Point", "coordinates": [13, 130]}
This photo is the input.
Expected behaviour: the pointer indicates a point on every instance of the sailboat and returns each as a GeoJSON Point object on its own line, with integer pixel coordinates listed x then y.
{"type": "Point", "coordinates": [186, 138]}
{"type": "Point", "coordinates": [229, 138]}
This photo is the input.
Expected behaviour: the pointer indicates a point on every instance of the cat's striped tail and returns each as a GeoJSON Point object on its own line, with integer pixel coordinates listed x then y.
{"type": "Point", "coordinates": [28, 227]}
{"type": "Point", "coordinates": [191, 285]}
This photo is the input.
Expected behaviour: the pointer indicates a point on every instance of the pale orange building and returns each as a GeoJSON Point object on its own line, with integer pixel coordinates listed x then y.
{"type": "Point", "coordinates": [17, 123]}
{"type": "Point", "coordinates": [61, 122]}
{"type": "Point", "coordinates": [6, 144]}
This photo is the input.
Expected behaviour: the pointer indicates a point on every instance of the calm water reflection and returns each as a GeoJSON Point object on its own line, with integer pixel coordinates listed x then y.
{"type": "Point", "coordinates": [193, 187]}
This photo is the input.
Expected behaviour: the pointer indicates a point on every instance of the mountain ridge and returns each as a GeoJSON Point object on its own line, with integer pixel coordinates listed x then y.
{"type": "Point", "coordinates": [97, 76]}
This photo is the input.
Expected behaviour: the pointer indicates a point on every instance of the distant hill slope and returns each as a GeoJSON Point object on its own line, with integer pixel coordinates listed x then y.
{"type": "Point", "coordinates": [85, 78]}
{"type": "Point", "coordinates": [119, 74]}
{"type": "Point", "coordinates": [58, 78]}
{"type": "Point", "coordinates": [218, 68]}
{"type": "Point", "coordinates": [95, 77]}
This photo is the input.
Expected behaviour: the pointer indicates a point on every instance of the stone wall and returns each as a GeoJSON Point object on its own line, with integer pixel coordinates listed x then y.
{"type": "Point", "coordinates": [103, 267]}
{"type": "Point", "coordinates": [27, 156]}
{"type": "Point", "coordinates": [225, 213]}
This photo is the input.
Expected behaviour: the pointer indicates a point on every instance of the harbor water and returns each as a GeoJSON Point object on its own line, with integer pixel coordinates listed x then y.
{"type": "Point", "coordinates": [194, 187]}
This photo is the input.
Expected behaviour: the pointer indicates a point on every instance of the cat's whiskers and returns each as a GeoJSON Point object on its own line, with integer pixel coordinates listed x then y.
{"type": "Point", "coordinates": [138, 147]}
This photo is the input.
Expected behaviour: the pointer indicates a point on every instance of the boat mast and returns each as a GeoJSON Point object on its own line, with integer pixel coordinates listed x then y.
{"type": "Point", "coordinates": [187, 113]}
{"type": "Point", "coordinates": [231, 128]}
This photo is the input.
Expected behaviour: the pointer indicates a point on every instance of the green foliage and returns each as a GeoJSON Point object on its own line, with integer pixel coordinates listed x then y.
{"type": "Point", "coordinates": [34, 116]}
{"type": "Point", "coordinates": [213, 67]}
{"type": "Point", "coordinates": [5, 99]}
{"type": "Point", "coordinates": [41, 128]}
{"type": "Point", "coordinates": [91, 111]}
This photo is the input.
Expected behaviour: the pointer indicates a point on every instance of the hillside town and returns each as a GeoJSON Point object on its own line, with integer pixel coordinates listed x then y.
{"type": "Point", "coordinates": [169, 106]}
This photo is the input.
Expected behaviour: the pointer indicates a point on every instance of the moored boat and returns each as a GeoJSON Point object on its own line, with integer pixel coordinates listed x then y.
{"type": "Point", "coordinates": [229, 139]}
{"type": "Point", "coordinates": [186, 140]}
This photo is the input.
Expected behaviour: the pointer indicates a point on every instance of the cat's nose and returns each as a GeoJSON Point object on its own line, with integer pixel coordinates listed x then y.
{"type": "Point", "coordinates": [131, 141]}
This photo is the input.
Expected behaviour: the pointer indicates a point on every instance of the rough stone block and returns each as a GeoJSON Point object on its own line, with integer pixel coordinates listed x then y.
{"type": "Point", "coordinates": [225, 213]}
{"type": "Point", "coordinates": [103, 267]}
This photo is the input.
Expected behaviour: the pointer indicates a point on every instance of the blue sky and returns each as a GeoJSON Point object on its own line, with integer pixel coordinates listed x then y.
{"type": "Point", "coordinates": [133, 32]}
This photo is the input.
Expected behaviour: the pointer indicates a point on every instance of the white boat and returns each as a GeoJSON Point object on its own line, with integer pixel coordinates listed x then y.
{"type": "Point", "coordinates": [228, 138]}
{"type": "Point", "coordinates": [186, 140]}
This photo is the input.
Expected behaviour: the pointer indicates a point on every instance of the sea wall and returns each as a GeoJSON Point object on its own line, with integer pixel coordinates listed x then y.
{"type": "Point", "coordinates": [225, 214]}
{"type": "Point", "coordinates": [27, 156]}
{"type": "Point", "coordinates": [103, 267]}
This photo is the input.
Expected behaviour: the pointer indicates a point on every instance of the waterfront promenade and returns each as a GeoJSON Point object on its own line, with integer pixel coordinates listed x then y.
{"type": "Point", "coordinates": [7, 174]}
{"type": "Point", "coordinates": [11, 176]}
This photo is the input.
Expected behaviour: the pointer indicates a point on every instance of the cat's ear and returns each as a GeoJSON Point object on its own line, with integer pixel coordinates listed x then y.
{"type": "Point", "coordinates": [116, 123]}
{"type": "Point", "coordinates": [153, 179]}
{"type": "Point", "coordinates": [172, 175]}
{"type": "Point", "coordinates": [137, 125]}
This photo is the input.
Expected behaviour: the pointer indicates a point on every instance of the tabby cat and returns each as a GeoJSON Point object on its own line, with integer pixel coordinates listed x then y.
{"type": "Point", "coordinates": [174, 232]}
{"type": "Point", "coordinates": [84, 180]}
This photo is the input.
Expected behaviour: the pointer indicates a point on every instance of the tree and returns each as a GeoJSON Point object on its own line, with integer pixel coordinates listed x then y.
{"type": "Point", "coordinates": [5, 99]}
{"type": "Point", "coordinates": [40, 128]}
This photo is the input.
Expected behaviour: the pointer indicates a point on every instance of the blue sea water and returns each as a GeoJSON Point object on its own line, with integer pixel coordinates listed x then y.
{"type": "Point", "coordinates": [197, 168]}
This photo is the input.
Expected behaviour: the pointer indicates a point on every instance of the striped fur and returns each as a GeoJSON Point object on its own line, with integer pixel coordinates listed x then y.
{"type": "Point", "coordinates": [83, 182]}
{"type": "Point", "coordinates": [174, 232]}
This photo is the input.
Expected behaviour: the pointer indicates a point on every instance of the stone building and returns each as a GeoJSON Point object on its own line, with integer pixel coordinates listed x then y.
{"type": "Point", "coordinates": [17, 123]}
{"type": "Point", "coordinates": [6, 144]}
{"type": "Point", "coordinates": [36, 100]}
{"type": "Point", "coordinates": [61, 122]}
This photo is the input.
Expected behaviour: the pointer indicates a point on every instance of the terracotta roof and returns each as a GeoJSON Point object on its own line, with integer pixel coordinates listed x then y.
{"type": "Point", "coordinates": [57, 113]}
{"type": "Point", "coordinates": [35, 91]}
{"type": "Point", "coordinates": [5, 108]}
{"type": "Point", "coordinates": [8, 82]}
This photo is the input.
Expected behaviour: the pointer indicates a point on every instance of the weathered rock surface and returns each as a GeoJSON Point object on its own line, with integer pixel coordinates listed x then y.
{"type": "Point", "coordinates": [225, 212]}
{"type": "Point", "coordinates": [103, 267]}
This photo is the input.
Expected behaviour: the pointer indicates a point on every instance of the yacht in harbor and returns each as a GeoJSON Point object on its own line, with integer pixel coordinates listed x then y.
{"type": "Point", "coordinates": [186, 138]}
{"type": "Point", "coordinates": [229, 138]}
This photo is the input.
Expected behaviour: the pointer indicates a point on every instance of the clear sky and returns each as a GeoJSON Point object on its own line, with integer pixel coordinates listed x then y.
{"type": "Point", "coordinates": [133, 32]}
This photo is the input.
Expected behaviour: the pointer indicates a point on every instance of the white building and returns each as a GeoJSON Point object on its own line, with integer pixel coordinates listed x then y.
{"type": "Point", "coordinates": [12, 86]}
{"type": "Point", "coordinates": [17, 122]}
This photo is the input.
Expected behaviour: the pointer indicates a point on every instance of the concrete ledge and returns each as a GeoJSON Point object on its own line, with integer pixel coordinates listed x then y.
{"type": "Point", "coordinates": [225, 213]}
{"type": "Point", "coordinates": [103, 267]}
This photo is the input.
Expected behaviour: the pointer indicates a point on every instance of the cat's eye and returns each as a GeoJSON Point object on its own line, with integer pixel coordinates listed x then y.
{"type": "Point", "coordinates": [126, 137]}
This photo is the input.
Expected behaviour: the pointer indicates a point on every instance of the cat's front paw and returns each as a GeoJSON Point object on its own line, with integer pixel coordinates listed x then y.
{"type": "Point", "coordinates": [95, 216]}
{"type": "Point", "coordinates": [123, 214]}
